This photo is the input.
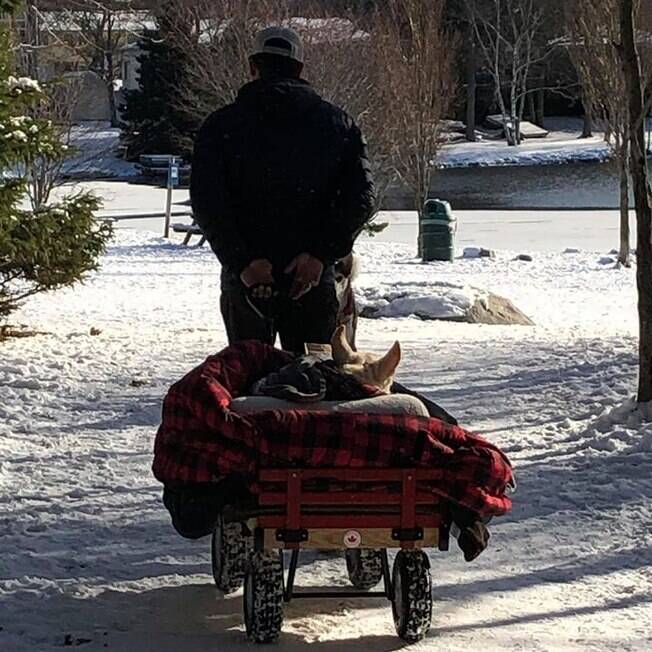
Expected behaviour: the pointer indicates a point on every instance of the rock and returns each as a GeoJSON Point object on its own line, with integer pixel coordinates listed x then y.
{"type": "Point", "coordinates": [137, 382]}
{"type": "Point", "coordinates": [477, 307]}
{"type": "Point", "coordinates": [528, 130]}
{"type": "Point", "coordinates": [526, 257]}
{"type": "Point", "coordinates": [471, 252]}
{"type": "Point", "coordinates": [571, 250]}
{"type": "Point", "coordinates": [456, 126]}
{"type": "Point", "coordinates": [606, 260]}
{"type": "Point", "coordinates": [89, 95]}
{"type": "Point", "coordinates": [614, 252]}
{"type": "Point", "coordinates": [369, 312]}
{"type": "Point", "coordinates": [495, 310]}
{"type": "Point", "coordinates": [478, 252]}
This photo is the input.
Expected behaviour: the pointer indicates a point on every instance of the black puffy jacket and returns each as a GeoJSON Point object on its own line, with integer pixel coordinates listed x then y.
{"type": "Point", "coordinates": [280, 172]}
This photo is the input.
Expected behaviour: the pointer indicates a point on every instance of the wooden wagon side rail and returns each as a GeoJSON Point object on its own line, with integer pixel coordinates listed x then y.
{"type": "Point", "coordinates": [395, 515]}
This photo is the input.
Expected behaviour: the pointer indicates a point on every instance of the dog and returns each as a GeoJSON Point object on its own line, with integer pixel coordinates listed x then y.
{"type": "Point", "coordinates": [346, 271]}
{"type": "Point", "coordinates": [368, 368]}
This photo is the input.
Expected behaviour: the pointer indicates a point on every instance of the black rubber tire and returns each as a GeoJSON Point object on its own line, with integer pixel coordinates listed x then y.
{"type": "Point", "coordinates": [230, 548]}
{"type": "Point", "coordinates": [263, 597]}
{"type": "Point", "coordinates": [365, 567]}
{"type": "Point", "coordinates": [412, 603]}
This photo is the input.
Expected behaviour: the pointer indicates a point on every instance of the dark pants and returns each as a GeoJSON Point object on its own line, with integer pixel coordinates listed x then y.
{"type": "Point", "coordinates": [194, 509]}
{"type": "Point", "coordinates": [312, 318]}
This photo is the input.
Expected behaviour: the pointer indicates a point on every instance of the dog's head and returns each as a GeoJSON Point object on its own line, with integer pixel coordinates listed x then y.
{"type": "Point", "coordinates": [368, 368]}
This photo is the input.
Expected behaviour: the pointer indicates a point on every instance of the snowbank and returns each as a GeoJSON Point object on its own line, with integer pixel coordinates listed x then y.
{"type": "Point", "coordinates": [626, 428]}
{"type": "Point", "coordinates": [554, 150]}
{"type": "Point", "coordinates": [434, 301]}
{"type": "Point", "coordinates": [96, 154]}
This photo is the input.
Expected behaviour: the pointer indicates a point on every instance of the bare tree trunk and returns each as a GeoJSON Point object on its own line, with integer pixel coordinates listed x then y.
{"type": "Point", "coordinates": [624, 250]}
{"type": "Point", "coordinates": [471, 86]}
{"type": "Point", "coordinates": [531, 107]}
{"type": "Point", "coordinates": [113, 109]}
{"type": "Point", "coordinates": [514, 114]}
{"type": "Point", "coordinates": [638, 163]}
{"type": "Point", "coordinates": [541, 106]}
{"type": "Point", "coordinates": [587, 126]}
{"type": "Point", "coordinates": [32, 37]}
{"type": "Point", "coordinates": [110, 72]}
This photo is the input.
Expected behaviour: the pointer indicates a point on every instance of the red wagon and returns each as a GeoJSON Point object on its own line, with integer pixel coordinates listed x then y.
{"type": "Point", "coordinates": [363, 512]}
{"type": "Point", "coordinates": [362, 483]}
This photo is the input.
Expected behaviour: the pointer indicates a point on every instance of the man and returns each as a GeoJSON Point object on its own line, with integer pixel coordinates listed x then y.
{"type": "Point", "coordinates": [281, 187]}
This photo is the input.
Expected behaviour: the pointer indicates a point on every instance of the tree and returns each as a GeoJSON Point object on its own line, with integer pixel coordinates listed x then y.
{"type": "Point", "coordinates": [155, 120]}
{"type": "Point", "coordinates": [594, 28]}
{"type": "Point", "coordinates": [595, 34]}
{"type": "Point", "coordinates": [417, 52]}
{"type": "Point", "coordinates": [56, 108]}
{"type": "Point", "coordinates": [94, 31]}
{"type": "Point", "coordinates": [513, 42]}
{"type": "Point", "coordinates": [53, 246]}
{"type": "Point", "coordinates": [642, 195]}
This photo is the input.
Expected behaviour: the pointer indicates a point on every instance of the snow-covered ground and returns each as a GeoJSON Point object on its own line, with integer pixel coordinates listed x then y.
{"type": "Point", "coordinates": [95, 148]}
{"type": "Point", "coordinates": [552, 150]}
{"type": "Point", "coordinates": [88, 556]}
{"type": "Point", "coordinates": [562, 145]}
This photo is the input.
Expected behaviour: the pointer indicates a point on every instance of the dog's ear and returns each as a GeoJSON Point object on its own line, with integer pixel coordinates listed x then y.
{"type": "Point", "coordinates": [342, 352]}
{"type": "Point", "coordinates": [385, 368]}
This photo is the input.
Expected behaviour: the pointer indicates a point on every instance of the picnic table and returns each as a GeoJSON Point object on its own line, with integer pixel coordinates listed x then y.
{"type": "Point", "coordinates": [190, 230]}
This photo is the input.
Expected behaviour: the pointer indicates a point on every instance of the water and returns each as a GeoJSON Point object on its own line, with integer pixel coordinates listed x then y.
{"type": "Point", "coordinates": [558, 187]}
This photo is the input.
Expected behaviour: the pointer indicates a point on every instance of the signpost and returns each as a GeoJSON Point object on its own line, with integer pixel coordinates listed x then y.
{"type": "Point", "coordinates": [173, 182]}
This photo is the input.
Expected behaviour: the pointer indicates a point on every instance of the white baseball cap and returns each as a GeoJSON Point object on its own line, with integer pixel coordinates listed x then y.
{"type": "Point", "coordinates": [293, 49]}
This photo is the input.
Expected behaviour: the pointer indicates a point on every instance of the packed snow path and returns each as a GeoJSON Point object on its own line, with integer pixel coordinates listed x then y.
{"type": "Point", "coordinates": [88, 556]}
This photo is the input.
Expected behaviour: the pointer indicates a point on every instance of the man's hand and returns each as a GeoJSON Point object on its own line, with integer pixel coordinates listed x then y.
{"type": "Point", "coordinates": [258, 272]}
{"type": "Point", "coordinates": [307, 274]}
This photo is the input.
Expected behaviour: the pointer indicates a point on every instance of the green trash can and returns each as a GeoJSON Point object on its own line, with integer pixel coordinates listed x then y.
{"type": "Point", "coordinates": [438, 226]}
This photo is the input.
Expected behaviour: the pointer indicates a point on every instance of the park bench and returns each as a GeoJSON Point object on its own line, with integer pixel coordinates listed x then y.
{"type": "Point", "coordinates": [155, 168]}
{"type": "Point", "coordinates": [190, 230]}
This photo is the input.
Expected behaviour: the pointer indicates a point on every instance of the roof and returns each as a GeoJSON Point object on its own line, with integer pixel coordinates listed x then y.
{"type": "Point", "coordinates": [72, 21]}
{"type": "Point", "coordinates": [642, 38]}
{"type": "Point", "coordinates": [313, 30]}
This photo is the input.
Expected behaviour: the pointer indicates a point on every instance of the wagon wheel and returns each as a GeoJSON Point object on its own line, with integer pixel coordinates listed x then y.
{"type": "Point", "coordinates": [365, 567]}
{"type": "Point", "coordinates": [263, 597]}
{"type": "Point", "coordinates": [230, 548]}
{"type": "Point", "coordinates": [412, 600]}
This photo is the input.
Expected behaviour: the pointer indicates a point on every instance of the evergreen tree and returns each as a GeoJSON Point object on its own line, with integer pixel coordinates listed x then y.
{"type": "Point", "coordinates": [154, 123]}
{"type": "Point", "coordinates": [56, 245]}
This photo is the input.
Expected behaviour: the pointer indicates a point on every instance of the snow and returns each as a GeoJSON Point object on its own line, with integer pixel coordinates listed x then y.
{"type": "Point", "coordinates": [18, 134]}
{"type": "Point", "coordinates": [89, 555]}
{"type": "Point", "coordinates": [562, 145]}
{"type": "Point", "coordinates": [423, 300]}
{"type": "Point", "coordinates": [96, 154]}
{"type": "Point", "coordinates": [131, 22]}
{"type": "Point", "coordinates": [20, 84]}
{"type": "Point", "coordinates": [556, 149]}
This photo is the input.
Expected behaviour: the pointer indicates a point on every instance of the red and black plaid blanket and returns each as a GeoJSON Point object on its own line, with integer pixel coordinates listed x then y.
{"type": "Point", "coordinates": [200, 440]}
